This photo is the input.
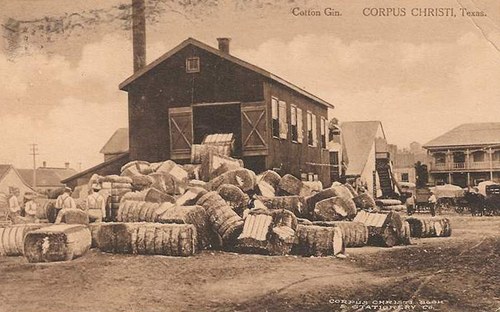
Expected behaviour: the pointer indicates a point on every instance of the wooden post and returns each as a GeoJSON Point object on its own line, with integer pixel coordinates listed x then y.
{"type": "Point", "coordinates": [374, 183]}
{"type": "Point", "coordinates": [491, 163]}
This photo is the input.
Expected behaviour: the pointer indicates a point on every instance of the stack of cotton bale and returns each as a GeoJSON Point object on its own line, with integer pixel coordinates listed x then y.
{"type": "Point", "coordinates": [199, 151]}
{"type": "Point", "coordinates": [390, 204]}
{"type": "Point", "coordinates": [223, 205]}
{"type": "Point", "coordinates": [150, 195]}
{"type": "Point", "coordinates": [166, 177]}
{"type": "Point", "coordinates": [114, 187]}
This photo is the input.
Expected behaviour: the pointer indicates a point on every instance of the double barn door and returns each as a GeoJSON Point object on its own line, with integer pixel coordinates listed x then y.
{"type": "Point", "coordinates": [254, 135]}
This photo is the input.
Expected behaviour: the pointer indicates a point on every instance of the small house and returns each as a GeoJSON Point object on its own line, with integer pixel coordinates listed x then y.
{"type": "Point", "coordinates": [10, 180]}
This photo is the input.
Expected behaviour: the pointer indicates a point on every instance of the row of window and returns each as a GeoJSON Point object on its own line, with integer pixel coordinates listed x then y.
{"type": "Point", "coordinates": [478, 156]}
{"type": "Point", "coordinates": [281, 127]}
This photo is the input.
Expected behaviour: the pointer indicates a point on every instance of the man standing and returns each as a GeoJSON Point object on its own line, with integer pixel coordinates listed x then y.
{"type": "Point", "coordinates": [64, 201]}
{"type": "Point", "coordinates": [30, 207]}
{"type": "Point", "coordinates": [410, 203]}
{"type": "Point", "coordinates": [14, 207]}
{"type": "Point", "coordinates": [432, 203]}
{"type": "Point", "coordinates": [96, 204]}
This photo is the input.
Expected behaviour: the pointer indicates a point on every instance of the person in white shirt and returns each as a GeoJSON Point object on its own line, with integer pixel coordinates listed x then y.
{"type": "Point", "coordinates": [410, 203]}
{"type": "Point", "coordinates": [96, 204]}
{"type": "Point", "coordinates": [432, 203]}
{"type": "Point", "coordinates": [65, 201]}
{"type": "Point", "coordinates": [14, 207]}
{"type": "Point", "coordinates": [30, 207]}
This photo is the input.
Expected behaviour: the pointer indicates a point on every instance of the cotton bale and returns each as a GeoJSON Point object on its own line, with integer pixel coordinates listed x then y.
{"type": "Point", "coordinates": [226, 223]}
{"type": "Point", "coordinates": [335, 209]}
{"type": "Point", "coordinates": [355, 234]}
{"type": "Point", "coordinates": [295, 204]}
{"type": "Point", "coordinates": [72, 216]}
{"type": "Point", "coordinates": [234, 196]}
{"type": "Point", "coordinates": [60, 242]}
{"type": "Point", "coordinates": [364, 201]}
{"type": "Point", "coordinates": [195, 215]}
{"type": "Point", "coordinates": [242, 178]}
{"type": "Point", "coordinates": [148, 239]}
{"type": "Point", "coordinates": [192, 195]}
{"type": "Point", "coordinates": [12, 238]}
{"type": "Point", "coordinates": [137, 167]}
{"type": "Point", "coordinates": [313, 240]}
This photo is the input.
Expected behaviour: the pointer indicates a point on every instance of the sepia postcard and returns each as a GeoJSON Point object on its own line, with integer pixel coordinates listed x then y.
{"type": "Point", "coordinates": [252, 155]}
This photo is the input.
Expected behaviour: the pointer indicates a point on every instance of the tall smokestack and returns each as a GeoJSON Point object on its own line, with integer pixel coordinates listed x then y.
{"type": "Point", "coordinates": [139, 34]}
{"type": "Point", "coordinates": [224, 44]}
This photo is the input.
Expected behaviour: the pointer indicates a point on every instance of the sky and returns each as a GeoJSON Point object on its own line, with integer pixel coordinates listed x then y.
{"type": "Point", "coordinates": [420, 76]}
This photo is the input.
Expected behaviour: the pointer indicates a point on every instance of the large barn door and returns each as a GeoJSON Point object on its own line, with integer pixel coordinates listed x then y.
{"type": "Point", "coordinates": [254, 129]}
{"type": "Point", "coordinates": [181, 132]}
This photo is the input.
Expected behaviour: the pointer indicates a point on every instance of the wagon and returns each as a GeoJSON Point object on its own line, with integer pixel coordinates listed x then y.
{"type": "Point", "coordinates": [447, 195]}
{"type": "Point", "coordinates": [492, 200]}
{"type": "Point", "coordinates": [422, 199]}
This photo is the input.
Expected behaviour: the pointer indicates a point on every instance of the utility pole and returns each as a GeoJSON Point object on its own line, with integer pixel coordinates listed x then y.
{"type": "Point", "coordinates": [34, 153]}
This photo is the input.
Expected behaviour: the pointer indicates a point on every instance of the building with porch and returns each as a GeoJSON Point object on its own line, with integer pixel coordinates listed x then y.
{"type": "Point", "coordinates": [466, 155]}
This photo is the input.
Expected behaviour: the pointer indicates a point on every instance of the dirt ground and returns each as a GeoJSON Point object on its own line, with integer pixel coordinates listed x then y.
{"type": "Point", "coordinates": [459, 273]}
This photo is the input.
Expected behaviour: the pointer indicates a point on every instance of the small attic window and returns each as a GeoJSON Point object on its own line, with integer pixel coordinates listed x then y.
{"type": "Point", "coordinates": [193, 65]}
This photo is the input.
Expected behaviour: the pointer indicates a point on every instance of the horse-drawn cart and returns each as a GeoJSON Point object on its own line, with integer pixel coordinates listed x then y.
{"type": "Point", "coordinates": [422, 199]}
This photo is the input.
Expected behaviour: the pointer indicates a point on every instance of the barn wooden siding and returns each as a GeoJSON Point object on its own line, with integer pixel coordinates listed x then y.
{"type": "Point", "coordinates": [156, 135]}
{"type": "Point", "coordinates": [169, 86]}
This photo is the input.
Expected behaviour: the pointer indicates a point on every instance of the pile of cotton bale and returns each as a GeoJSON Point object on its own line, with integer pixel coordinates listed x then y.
{"type": "Point", "coordinates": [165, 208]}
{"type": "Point", "coordinates": [113, 188]}
{"type": "Point", "coordinates": [232, 208]}
{"type": "Point", "coordinates": [390, 205]}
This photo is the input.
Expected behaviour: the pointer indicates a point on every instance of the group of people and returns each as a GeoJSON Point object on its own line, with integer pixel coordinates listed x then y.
{"type": "Point", "coordinates": [95, 205]}
{"type": "Point", "coordinates": [15, 209]}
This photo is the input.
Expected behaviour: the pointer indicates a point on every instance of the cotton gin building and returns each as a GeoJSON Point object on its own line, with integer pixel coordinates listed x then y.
{"type": "Point", "coordinates": [195, 89]}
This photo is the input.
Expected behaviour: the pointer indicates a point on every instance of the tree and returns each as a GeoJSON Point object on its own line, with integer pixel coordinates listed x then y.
{"type": "Point", "coordinates": [422, 175]}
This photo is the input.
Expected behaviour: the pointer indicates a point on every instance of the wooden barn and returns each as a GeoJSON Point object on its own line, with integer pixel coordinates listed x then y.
{"type": "Point", "coordinates": [195, 89]}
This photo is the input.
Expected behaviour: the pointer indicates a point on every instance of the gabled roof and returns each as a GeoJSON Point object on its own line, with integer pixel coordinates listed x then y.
{"type": "Point", "coordinates": [359, 137]}
{"type": "Point", "coordinates": [4, 169]}
{"type": "Point", "coordinates": [46, 176]}
{"type": "Point", "coordinates": [481, 133]}
{"type": "Point", "coordinates": [117, 143]}
{"type": "Point", "coordinates": [190, 41]}
{"type": "Point", "coordinates": [97, 167]}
